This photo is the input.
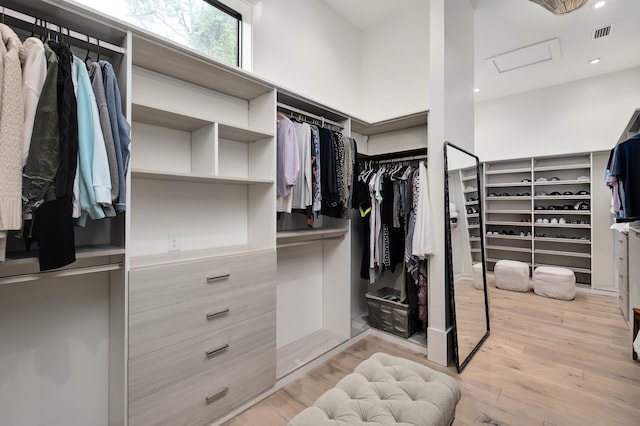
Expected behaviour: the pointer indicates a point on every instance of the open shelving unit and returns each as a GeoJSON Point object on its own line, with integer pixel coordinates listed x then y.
{"type": "Point", "coordinates": [518, 197]}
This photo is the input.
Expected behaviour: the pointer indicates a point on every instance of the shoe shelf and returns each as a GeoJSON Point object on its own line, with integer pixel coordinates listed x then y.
{"type": "Point", "coordinates": [506, 211]}
{"type": "Point", "coordinates": [507, 223]}
{"type": "Point", "coordinates": [495, 259]}
{"type": "Point", "coordinates": [509, 248]}
{"type": "Point", "coordinates": [510, 237]}
{"type": "Point", "coordinates": [564, 225]}
{"type": "Point", "coordinates": [569, 212]}
{"type": "Point", "coordinates": [585, 166]}
{"type": "Point", "coordinates": [560, 197]}
{"type": "Point", "coordinates": [561, 182]}
{"type": "Point", "coordinates": [508, 197]}
{"type": "Point", "coordinates": [509, 171]}
{"type": "Point", "coordinates": [563, 244]}
{"type": "Point", "coordinates": [508, 184]}
{"type": "Point", "coordinates": [564, 240]}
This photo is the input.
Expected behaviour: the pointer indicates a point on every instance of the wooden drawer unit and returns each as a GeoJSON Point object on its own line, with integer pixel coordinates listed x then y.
{"type": "Point", "coordinates": [205, 397]}
{"type": "Point", "coordinates": [165, 367]}
{"type": "Point", "coordinates": [158, 328]}
{"type": "Point", "coordinates": [159, 286]}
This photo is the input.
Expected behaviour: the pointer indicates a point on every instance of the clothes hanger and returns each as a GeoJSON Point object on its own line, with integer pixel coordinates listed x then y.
{"type": "Point", "coordinates": [88, 59]}
{"type": "Point", "coordinates": [33, 29]}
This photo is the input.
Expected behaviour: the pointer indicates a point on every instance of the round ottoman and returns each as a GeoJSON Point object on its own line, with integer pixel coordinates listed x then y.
{"type": "Point", "coordinates": [478, 279]}
{"type": "Point", "coordinates": [385, 390]}
{"type": "Point", "coordinates": [512, 275]}
{"type": "Point", "coordinates": [554, 282]}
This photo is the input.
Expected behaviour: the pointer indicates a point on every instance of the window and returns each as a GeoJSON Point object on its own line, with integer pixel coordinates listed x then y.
{"type": "Point", "coordinates": [210, 27]}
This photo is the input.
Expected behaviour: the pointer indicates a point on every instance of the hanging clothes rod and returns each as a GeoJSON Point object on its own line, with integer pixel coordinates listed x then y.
{"type": "Point", "coordinates": [304, 243]}
{"type": "Point", "coordinates": [310, 115]}
{"type": "Point", "coordinates": [84, 38]}
{"type": "Point", "coordinates": [400, 159]}
{"type": "Point", "coordinates": [14, 279]}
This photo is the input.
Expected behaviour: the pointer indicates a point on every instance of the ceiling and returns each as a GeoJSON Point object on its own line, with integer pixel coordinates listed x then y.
{"type": "Point", "coordinates": [507, 25]}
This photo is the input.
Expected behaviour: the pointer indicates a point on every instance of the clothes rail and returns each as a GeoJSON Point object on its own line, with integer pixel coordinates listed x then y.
{"type": "Point", "coordinates": [84, 38]}
{"type": "Point", "coordinates": [14, 279]}
{"type": "Point", "coordinates": [310, 115]}
{"type": "Point", "coordinates": [303, 243]}
{"type": "Point", "coordinates": [410, 154]}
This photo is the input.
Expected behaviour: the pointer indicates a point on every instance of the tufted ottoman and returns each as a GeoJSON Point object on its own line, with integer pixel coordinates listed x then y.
{"type": "Point", "coordinates": [512, 275]}
{"type": "Point", "coordinates": [555, 282]}
{"type": "Point", "coordinates": [386, 390]}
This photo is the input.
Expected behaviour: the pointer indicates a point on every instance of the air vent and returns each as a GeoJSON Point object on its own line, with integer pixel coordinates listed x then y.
{"type": "Point", "coordinates": [602, 32]}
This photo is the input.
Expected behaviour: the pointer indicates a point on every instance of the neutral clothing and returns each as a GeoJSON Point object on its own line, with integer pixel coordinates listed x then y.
{"type": "Point", "coordinates": [11, 123]}
{"type": "Point", "coordinates": [626, 170]}
{"type": "Point", "coordinates": [68, 121]}
{"type": "Point", "coordinates": [42, 162]}
{"type": "Point", "coordinates": [422, 236]}
{"type": "Point", "coordinates": [34, 72]}
{"type": "Point", "coordinates": [97, 83]}
{"type": "Point", "coordinates": [302, 191]}
{"type": "Point", "coordinates": [287, 165]}
{"type": "Point", "coordinates": [120, 129]}
{"type": "Point", "coordinates": [89, 149]}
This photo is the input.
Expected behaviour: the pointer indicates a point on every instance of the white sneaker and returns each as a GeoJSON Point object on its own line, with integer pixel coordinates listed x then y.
{"type": "Point", "coordinates": [539, 220]}
{"type": "Point", "coordinates": [562, 221]}
{"type": "Point", "coordinates": [545, 220]}
{"type": "Point", "coordinates": [554, 220]}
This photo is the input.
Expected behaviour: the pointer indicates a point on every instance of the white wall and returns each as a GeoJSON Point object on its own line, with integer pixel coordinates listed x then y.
{"type": "Point", "coordinates": [54, 350]}
{"type": "Point", "coordinates": [450, 118]}
{"type": "Point", "coordinates": [584, 115]}
{"type": "Point", "coordinates": [307, 47]}
{"type": "Point", "coordinates": [395, 64]}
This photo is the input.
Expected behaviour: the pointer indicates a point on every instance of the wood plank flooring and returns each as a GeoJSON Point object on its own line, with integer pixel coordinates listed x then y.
{"type": "Point", "coordinates": [547, 362]}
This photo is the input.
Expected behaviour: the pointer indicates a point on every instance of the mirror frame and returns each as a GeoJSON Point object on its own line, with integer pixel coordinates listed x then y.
{"type": "Point", "coordinates": [449, 260]}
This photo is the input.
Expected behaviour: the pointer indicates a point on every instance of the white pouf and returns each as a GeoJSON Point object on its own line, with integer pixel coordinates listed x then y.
{"type": "Point", "coordinates": [385, 390]}
{"type": "Point", "coordinates": [478, 280]}
{"type": "Point", "coordinates": [555, 282]}
{"type": "Point", "coordinates": [512, 275]}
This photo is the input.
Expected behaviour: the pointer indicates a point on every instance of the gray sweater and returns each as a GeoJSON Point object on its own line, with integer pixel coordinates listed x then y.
{"type": "Point", "coordinates": [95, 74]}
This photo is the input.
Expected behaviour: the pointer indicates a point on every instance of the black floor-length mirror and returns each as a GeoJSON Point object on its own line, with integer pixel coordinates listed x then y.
{"type": "Point", "coordinates": [465, 264]}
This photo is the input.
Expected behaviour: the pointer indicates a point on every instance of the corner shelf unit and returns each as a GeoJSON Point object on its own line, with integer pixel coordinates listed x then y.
{"type": "Point", "coordinates": [538, 211]}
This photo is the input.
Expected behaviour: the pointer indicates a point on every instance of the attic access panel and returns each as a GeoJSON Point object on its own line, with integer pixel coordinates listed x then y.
{"type": "Point", "coordinates": [532, 54]}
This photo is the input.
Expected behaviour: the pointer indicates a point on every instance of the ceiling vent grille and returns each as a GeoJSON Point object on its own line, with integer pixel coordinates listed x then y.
{"type": "Point", "coordinates": [602, 32]}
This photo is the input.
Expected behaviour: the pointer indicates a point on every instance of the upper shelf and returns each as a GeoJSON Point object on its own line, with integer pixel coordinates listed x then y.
{"type": "Point", "coordinates": [392, 125]}
{"type": "Point", "coordinates": [162, 118]}
{"type": "Point", "coordinates": [561, 182]}
{"type": "Point", "coordinates": [180, 62]}
{"type": "Point", "coordinates": [191, 177]}
{"type": "Point", "coordinates": [562, 167]}
{"type": "Point", "coordinates": [508, 171]}
{"type": "Point", "coordinates": [308, 234]}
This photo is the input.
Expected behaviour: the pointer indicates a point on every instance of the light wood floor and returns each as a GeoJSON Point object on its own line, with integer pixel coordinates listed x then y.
{"type": "Point", "coordinates": [547, 362]}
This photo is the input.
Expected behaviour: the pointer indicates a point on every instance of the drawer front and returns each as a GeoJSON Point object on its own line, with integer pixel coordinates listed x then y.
{"type": "Point", "coordinates": [165, 367]}
{"type": "Point", "coordinates": [208, 396]}
{"type": "Point", "coordinates": [155, 287]}
{"type": "Point", "coordinates": [623, 295]}
{"type": "Point", "coordinates": [158, 328]}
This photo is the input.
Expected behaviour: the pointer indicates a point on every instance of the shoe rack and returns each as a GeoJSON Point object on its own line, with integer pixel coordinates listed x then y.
{"type": "Point", "coordinates": [538, 211]}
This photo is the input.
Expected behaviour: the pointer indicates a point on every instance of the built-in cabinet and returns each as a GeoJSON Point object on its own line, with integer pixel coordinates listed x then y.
{"type": "Point", "coordinates": [627, 270]}
{"type": "Point", "coordinates": [538, 211]}
{"type": "Point", "coordinates": [198, 298]}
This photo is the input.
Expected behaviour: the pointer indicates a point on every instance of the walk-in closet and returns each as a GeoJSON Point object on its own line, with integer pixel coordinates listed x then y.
{"type": "Point", "coordinates": [182, 237]}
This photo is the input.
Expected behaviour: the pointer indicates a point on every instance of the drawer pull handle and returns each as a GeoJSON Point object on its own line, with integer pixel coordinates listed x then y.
{"type": "Point", "coordinates": [217, 314]}
{"type": "Point", "coordinates": [214, 352]}
{"type": "Point", "coordinates": [217, 396]}
{"type": "Point", "coordinates": [218, 278]}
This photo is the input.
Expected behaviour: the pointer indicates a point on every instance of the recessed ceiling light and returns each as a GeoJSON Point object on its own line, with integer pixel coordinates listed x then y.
{"type": "Point", "coordinates": [594, 61]}
{"type": "Point", "coordinates": [476, 90]}
{"type": "Point", "coordinates": [599, 4]}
